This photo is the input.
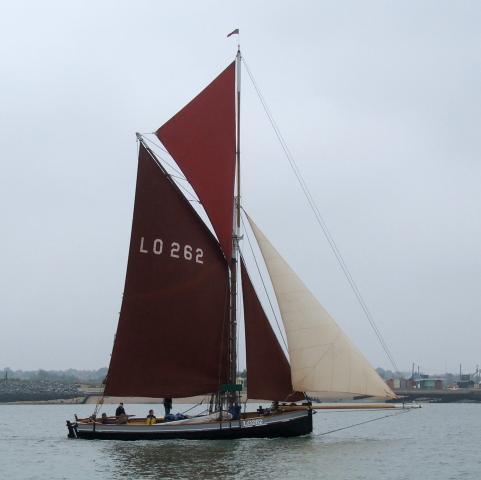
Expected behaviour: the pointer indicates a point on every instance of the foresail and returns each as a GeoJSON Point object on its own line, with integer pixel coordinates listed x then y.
{"type": "Point", "coordinates": [268, 371]}
{"type": "Point", "coordinates": [201, 139]}
{"type": "Point", "coordinates": [172, 336]}
{"type": "Point", "coordinates": [323, 360]}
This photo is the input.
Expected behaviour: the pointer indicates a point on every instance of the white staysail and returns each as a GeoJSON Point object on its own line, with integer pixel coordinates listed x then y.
{"type": "Point", "coordinates": [323, 360]}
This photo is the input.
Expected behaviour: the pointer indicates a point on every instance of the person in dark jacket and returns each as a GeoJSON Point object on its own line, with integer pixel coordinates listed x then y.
{"type": "Point", "coordinates": [167, 405]}
{"type": "Point", "coordinates": [120, 410]}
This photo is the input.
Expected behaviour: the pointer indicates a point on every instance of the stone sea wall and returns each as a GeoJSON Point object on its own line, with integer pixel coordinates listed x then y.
{"type": "Point", "coordinates": [40, 390]}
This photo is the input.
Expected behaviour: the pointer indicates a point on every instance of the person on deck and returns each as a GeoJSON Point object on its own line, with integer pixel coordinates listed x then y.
{"type": "Point", "coordinates": [167, 405]}
{"type": "Point", "coordinates": [151, 418]}
{"type": "Point", "coordinates": [120, 410]}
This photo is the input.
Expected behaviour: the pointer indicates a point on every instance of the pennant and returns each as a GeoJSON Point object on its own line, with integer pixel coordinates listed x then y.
{"type": "Point", "coordinates": [234, 32]}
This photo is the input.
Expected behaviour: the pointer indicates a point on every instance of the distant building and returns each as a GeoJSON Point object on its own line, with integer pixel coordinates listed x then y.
{"type": "Point", "coordinates": [398, 383]}
{"type": "Point", "coordinates": [429, 383]}
{"type": "Point", "coordinates": [465, 382]}
{"type": "Point", "coordinates": [242, 381]}
{"type": "Point", "coordinates": [423, 383]}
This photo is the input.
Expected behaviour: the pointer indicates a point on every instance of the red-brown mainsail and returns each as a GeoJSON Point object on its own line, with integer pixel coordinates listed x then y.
{"type": "Point", "coordinates": [269, 373]}
{"type": "Point", "coordinates": [172, 337]}
{"type": "Point", "coordinates": [201, 138]}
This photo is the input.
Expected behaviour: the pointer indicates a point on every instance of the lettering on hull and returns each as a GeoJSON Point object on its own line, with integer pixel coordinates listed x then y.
{"type": "Point", "coordinates": [255, 422]}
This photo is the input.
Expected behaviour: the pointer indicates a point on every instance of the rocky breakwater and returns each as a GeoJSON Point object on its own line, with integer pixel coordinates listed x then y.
{"type": "Point", "coordinates": [37, 391]}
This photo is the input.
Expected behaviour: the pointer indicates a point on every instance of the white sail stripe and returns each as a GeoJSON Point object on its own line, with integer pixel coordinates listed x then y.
{"type": "Point", "coordinates": [317, 365]}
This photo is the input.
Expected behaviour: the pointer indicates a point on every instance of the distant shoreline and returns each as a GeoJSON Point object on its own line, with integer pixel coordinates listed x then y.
{"type": "Point", "coordinates": [58, 401]}
{"type": "Point", "coordinates": [93, 399]}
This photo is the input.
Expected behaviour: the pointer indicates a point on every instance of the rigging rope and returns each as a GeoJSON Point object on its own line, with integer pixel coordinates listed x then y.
{"type": "Point", "coordinates": [191, 408]}
{"type": "Point", "coordinates": [156, 145]}
{"type": "Point", "coordinates": [321, 221]}
{"type": "Point", "coordinates": [363, 423]}
{"type": "Point", "coordinates": [188, 195]}
{"type": "Point", "coordinates": [263, 284]}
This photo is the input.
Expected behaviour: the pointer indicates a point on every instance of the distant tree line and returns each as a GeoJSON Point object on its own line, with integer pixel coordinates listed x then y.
{"type": "Point", "coordinates": [96, 377]}
{"type": "Point", "coordinates": [387, 374]}
{"type": "Point", "coordinates": [63, 376]}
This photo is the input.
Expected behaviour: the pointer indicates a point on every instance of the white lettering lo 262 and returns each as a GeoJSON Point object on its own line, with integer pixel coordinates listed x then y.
{"type": "Point", "coordinates": [174, 250]}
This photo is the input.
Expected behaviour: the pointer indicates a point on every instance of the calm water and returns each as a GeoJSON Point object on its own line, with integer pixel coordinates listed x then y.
{"type": "Point", "coordinates": [436, 442]}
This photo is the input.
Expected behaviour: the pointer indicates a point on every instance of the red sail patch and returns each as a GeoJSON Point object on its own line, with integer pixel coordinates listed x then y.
{"type": "Point", "coordinates": [172, 337]}
{"type": "Point", "coordinates": [268, 371]}
{"type": "Point", "coordinates": [201, 139]}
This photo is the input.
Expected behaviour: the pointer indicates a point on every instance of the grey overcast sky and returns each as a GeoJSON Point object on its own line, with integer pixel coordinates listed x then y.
{"type": "Point", "coordinates": [379, 102]}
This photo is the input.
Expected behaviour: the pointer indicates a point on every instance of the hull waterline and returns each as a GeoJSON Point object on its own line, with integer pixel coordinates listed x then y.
{"type": "Point", "coordinates": [290, 424]}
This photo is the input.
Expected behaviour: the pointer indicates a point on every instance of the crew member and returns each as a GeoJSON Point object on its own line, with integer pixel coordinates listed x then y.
{"type": "Point", "coordinates": [167, 405]}
{"type": "Point", "coordinates": [120, 410]}
{"type": "Point", "coordinates": [151, 418]}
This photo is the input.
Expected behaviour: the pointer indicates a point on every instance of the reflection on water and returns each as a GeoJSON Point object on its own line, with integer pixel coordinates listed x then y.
{"type": "Point", "coordinates": [206, 459]}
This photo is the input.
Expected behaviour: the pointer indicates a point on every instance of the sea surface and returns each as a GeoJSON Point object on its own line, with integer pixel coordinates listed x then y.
{"type": "Point", "coordinates": [439, 441]}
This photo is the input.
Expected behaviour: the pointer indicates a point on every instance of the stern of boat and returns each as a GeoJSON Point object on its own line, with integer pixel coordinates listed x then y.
{"type": "Point", "coordinates": [72, 429]}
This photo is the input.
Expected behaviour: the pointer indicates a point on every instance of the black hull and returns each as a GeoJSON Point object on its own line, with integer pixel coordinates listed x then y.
{"type": "Point", "coordinates": [292, 426]}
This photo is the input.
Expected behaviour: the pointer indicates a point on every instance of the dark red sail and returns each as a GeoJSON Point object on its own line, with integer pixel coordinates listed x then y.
{"type": "Point", "coordinates": [201, 139]}
{"type": "Point", "coordinates": [172, 337]}
{"type": "Point", "coordinates": [268, 371]}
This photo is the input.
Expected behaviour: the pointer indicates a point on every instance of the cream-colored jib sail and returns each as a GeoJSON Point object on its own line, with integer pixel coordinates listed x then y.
{"type": "Point", "coordinates": [323, 359]}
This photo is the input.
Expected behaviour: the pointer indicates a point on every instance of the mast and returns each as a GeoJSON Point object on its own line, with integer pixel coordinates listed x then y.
{"type": "Point", "coordinates": [235, 242]}
{"type": "Point", "coordinates": [209, 161]}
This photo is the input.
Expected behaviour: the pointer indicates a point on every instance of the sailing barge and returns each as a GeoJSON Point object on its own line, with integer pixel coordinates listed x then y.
{"type": "Point", "coordinates": [177, 331]}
